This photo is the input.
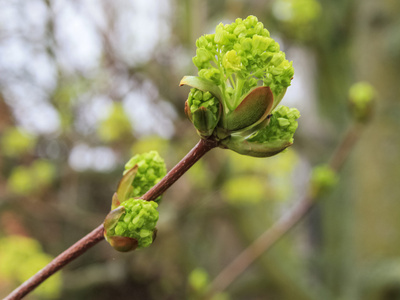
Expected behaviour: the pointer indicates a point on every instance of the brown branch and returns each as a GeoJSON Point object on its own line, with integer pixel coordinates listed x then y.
{"type": "Point", "coordinates": [202, 147]}
{"type": "Point", "coordinates": [346, 145]}
{"type": "Point", "coordinates": [91, 239]}
{"type": "Point", "coordinates": [284, 224]}
{"type": "Point", "coordinates": [259, 246]}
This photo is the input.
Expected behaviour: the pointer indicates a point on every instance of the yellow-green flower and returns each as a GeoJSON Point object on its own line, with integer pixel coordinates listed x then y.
{"type": "Point", "coordinates": [243, 69]}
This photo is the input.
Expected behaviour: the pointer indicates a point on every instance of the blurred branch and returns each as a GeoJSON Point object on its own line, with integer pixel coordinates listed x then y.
{"type": "Point", "coordinates": [91, 239]}
{"type": "Point", "coordinates": [346, 146]}
{"type": "Point", "coordinates": [273, 234]}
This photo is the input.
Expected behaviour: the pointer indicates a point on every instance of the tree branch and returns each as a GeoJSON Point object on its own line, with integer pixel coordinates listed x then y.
{"type": "Point", "coordinates": [91, 239]}
{"type": "Point", "coordinates": [284, 224]}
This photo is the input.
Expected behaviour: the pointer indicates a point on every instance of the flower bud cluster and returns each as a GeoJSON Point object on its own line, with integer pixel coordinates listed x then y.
{"type": "Point", "coordinates": [203, 109]}
{"type": "Point", "coordinates": [151, 169]}
{"type": "Point", "coordinates": [137, 221]}
{"type": "Point", "coordinates": [281, 128]}
{"type": "Point", "coordinates": [199, 99]}
{"type": "Point", "coordinates": [245, 49]}
{"type": "Point", "coordinates": [243, 71]}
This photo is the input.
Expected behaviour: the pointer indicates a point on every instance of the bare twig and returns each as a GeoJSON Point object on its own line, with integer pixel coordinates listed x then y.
{"type": "Point", "coordinates": [284, 224]}
{"type": "Point", "coordinates": [346, 145]}
{"type": "Point", "coordinates": [259, 246]}
{"type": "Point", "coordinates": [202, 147]}
{"type": "Point", "coordinates": [91, 239]}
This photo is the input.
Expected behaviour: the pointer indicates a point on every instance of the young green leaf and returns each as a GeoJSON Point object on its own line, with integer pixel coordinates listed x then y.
{"type": "Point", "coordinates": [253, 109]}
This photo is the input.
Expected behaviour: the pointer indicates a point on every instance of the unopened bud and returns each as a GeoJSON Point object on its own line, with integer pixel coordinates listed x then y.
{"type": "Point", "coordinates": [132, 225]}
{"type": "Point", "coordinates": [361, 98]}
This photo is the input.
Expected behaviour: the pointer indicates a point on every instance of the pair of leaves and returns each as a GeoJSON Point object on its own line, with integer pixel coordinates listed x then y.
{"type": "Point", "coordinates": [252, 110]}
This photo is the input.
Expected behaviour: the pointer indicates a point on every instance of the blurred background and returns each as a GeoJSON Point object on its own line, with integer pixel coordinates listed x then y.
{"type": "Point", "coordinates": [84, 85]}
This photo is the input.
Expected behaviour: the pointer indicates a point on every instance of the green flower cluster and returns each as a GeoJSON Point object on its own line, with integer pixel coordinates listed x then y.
{"type": "Point", "coordinates": [271, 139]}
{"type": "Point", "coordinates": [151, 169]}
{"type": "Point", "coordinates": [203, 110]}
{"type": "Point", "coordinates": [361, 97]}
{"type": "Point", "coordinates": [238, 56]}
{"type": "Point", "coordinates": [281, 128]}
{"type": "Point", "coordinates": [199, 99]}
{"type": "Point", "coordinates": [323, 178]}
{"type": "Point", "coordinates": [137, 221]}
{"type": "Point", "coordinates": [242, 68]}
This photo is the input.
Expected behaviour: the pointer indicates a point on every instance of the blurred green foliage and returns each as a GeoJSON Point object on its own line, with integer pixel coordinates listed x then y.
{"type": "Point", "coordinates": [271, 179]}
{"type": "Point", "coordinates": [26, 180]}
{"type": "Point", "coordinates": [246, 189]}
{"type": "Point", "coordinates": [16, 141]}
{"type": "Point", "coordinates": [20, 258]}
{"type": "Point", "coordinates": [116, 126]}
{"type": "Point", "coordinates": [298, 17]}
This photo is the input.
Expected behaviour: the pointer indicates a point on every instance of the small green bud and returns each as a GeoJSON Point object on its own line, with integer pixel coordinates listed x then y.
{"type": "Point", "coordinates": [203, 110]}
{"type": "Point", "coordinates": [199, 280]}
{"type": "Point", "coordinates": [260, 44]}
{"type": "Point", "coordinates": [323, 178]}
{"type": "Point", "coordinates": [275, 137]}
{"type": "Point", "coordinates": [281, 128]}
{"type": "Point", "coordinates": [231, 61]}
{"type": "Point", "coordinates": [150, 170]}
{"type": "Point", "coordinates": [131, 225]}
{"type": "Point", "coordinates": [361, 98]}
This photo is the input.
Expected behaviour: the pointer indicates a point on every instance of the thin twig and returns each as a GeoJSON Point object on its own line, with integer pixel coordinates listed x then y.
{"type": "Point", "coordinates": [346, 145]}
{"type": "Point", "coordinates": [202, 147]}
{"type": "Point", "coordinates": [91, 239]}
{"type": "Point", "coordinates": [259, 246]}
{"type": "Point", "coordinates": [284, 224]}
